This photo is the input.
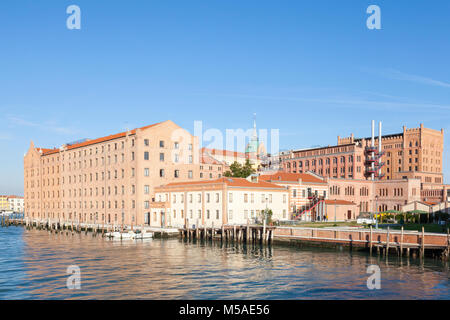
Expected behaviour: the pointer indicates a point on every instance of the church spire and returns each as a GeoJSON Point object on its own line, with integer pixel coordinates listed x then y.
{"type": "Point", "coordinates": [255, 134]}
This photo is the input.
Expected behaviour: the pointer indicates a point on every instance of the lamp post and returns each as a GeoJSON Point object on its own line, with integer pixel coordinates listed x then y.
{"type": "Point", "coordinates": [335, 202]}
{"type": "Point", "coordinates": [376, 209]}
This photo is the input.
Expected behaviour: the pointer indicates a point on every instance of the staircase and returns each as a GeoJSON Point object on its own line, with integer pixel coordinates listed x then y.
{"type": "Point", "coordinates": [315, 202]}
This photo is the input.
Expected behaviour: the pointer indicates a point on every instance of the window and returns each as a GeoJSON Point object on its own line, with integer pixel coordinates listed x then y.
{"type": "Point", "coordinates": [230, 197]}
{"type": "Point", "coordinates": [230, 215]}
{"type": "Point", "coordinates": [176, 145]}
{"type": "Point", "coordinates": [161, 173]}
{"type": "Point", "coordinates": [161, 144]}
{"type": "Point", "coordinates": [146, 142]}
{"type": "Point", "coordinates": [146, 189]}
{"type": "Point", "coordinates": [146, 155]}
{"type": "Point", "coordinates": [161, 157]}
{"type": "Point", "coordinates": [217, 214]}
{"type": "Point", "coordinates": [190, 174]}
{"type": "Point", "coordinates": [146, 172]}
{"type": "Point", "coordinates": [176, 173]}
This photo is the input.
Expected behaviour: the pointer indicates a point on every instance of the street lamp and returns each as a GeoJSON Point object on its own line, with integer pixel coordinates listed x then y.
{"type": "Point", "coordinates": [376, 209]}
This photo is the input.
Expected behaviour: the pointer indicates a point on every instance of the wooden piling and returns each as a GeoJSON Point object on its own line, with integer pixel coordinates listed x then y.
{"type": "Point", "coordinates": [387, 242]}
{"type": "Point", "coordinates": [423, 242]}
{"type": "Point", "coordinates": [370, 239]}
{"type": "Point", "coordinates": [401, 243]}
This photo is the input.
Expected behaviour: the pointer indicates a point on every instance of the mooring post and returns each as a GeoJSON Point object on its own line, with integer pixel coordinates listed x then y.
{"type": "Point", "coordinates": [370, 240]}
{"type": "Point", "coordinates": [401, 243]}
{"type": "Point", "coordinates": [387, 242]}
{"type": "Point", "coordinates": [247, 233]}
{"type": "Point", "coordinates": [264, 231]}
{"type": "Point", "coordinates": [423, 242]}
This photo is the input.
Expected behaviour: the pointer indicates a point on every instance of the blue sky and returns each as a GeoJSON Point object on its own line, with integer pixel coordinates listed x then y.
{"type": "Point", "coordinates": [309, 68]}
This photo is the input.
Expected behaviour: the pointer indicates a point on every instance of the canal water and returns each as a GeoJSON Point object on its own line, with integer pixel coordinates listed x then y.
{"type": "Point", "coordinates": [33, 265]}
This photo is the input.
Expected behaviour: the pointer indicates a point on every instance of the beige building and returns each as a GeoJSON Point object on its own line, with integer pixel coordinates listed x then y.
{"type": "Point", "coordinates": [224, 201]}
{"type": "Point", "coordinates": [112, 178]}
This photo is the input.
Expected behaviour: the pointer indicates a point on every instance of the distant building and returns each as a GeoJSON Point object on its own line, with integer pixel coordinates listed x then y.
{"type": "Point", "coordinates": [4, 203]}
{"type": "Point", "coordinates": [16, 203]}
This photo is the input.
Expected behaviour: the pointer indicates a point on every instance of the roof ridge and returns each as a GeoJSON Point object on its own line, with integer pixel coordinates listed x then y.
{"type": "Point", "coordinates": [96, 140]}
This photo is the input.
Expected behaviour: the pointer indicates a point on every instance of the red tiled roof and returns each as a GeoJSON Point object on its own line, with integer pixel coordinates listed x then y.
{"type": "Point", "coordinates": [292, 177]}
{"type": "Point", "coordinates": [232, 182]}
{"type": "Point", "coordinates": [226, 153]}
{"type": "Point", "coordinates": [94, 141]}
{"type": "Point", "coordinates": [205, 159]}
{"type": "Point", "coordinates": [339, 202]}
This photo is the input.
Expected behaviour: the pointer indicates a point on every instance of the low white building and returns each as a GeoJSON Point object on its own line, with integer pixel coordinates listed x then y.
{"type": "Point", "coordinates": [16, 203]}
{"type": "Point", "coordinates": [224, 201]}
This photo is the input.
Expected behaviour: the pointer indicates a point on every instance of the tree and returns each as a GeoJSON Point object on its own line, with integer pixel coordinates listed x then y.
{"type": "Point", "coordinates": [240, 171]}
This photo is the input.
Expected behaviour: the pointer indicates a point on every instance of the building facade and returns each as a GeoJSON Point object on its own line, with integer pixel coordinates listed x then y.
{"type": "Point", "coordinates": [16, 203]}
{"type": "Point", "coordinates": [415, 153]}
{"type": "Point", "coordinates": [4, 203]}
{"type": "Point", "coordinates": [224, 201]}
{"type": "Point", "coordinates": [110, 179]}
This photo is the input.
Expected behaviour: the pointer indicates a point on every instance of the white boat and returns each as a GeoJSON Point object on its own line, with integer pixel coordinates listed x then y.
{"type": "Point", "coordinates": [121, 235]}
{"type": "Point", "coordinates": [144, 235]}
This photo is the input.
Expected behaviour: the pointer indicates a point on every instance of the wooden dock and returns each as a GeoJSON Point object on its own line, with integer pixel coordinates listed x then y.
{"type": "Point", "coordinates": [384, 242]}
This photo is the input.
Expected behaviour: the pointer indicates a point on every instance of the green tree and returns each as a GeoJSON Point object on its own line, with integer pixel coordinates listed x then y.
{"type": "Point", "coordinates": [240, 171]}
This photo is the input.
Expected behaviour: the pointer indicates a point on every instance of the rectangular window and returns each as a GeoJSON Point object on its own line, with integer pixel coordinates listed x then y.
{"type": "Point", "coordinates": [146, 189]}
{"type": "Point", "coordinates": [146, 155]}
{"type": "Point", "coordinates": [161, 144]}
{"type": "Point", "coordinates": [230, 215]}
{"type": "Point", "coordinates": [146, 142]}
{"type": "Point", "coordinates": [161, 157]}
{"type": "Point", "coordinates": [146, 172]}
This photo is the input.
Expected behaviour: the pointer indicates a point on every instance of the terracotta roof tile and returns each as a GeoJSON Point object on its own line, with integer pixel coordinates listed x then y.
{"type": "Point", "coordinates": [292, 177]}
{"type": "Point", "coordinates": [232, 182]}
{"type": "Point", "coordinates": [94, 141]}
{"type": "Point", "coordinates": [339, 202]}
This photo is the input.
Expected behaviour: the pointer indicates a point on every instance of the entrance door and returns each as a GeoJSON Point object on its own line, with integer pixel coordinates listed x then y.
{"type": "Point", "coordinates": [349, 214]}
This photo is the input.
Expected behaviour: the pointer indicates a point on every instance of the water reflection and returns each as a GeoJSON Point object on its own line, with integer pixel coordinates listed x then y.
{"type": "Point", "coordinates": [34, 265]}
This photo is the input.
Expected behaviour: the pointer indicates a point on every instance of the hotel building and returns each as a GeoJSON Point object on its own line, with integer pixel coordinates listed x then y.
{"type": "Point", "coordinates": [112, 178]}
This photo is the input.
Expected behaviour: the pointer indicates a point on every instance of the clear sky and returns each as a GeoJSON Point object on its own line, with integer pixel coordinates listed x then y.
{"type": "Point", "coordinates": [309, 68]}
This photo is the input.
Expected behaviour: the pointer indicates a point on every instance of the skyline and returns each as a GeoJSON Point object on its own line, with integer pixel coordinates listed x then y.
{"type": "Point", "coordinates": [312, 70]}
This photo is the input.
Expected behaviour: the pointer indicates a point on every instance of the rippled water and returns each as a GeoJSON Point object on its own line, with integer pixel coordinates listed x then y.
{"type": "Point", "coordinates": [33, 265]}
